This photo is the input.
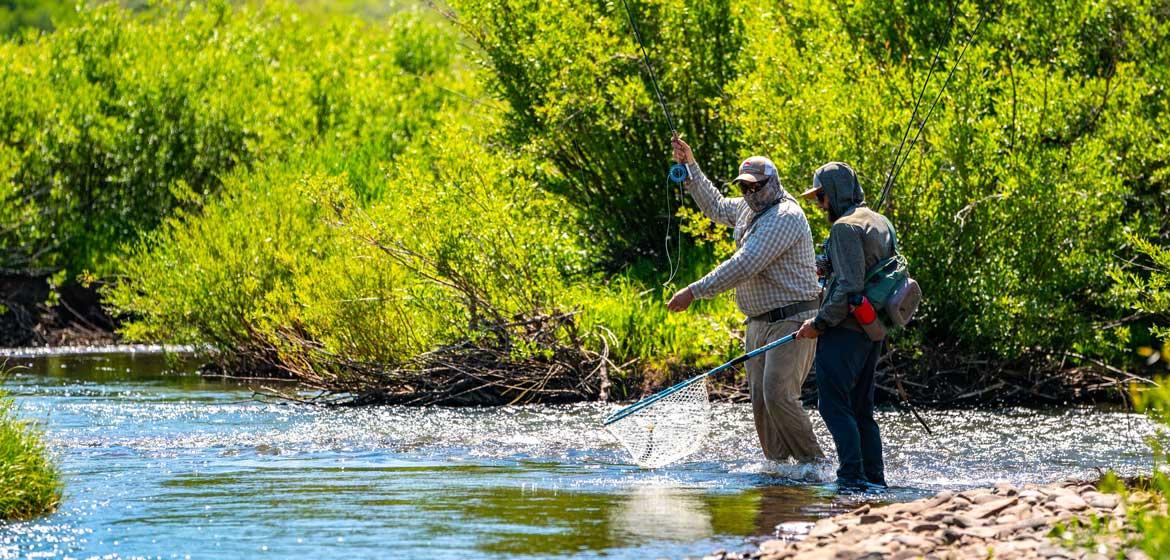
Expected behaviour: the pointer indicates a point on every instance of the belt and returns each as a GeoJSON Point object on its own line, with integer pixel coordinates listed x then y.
{"type": "Point", "coordinates": [781, 313]}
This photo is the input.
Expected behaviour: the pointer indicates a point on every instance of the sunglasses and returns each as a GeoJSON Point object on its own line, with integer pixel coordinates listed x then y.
{"type": "Point", "coordinates": [748, 187]}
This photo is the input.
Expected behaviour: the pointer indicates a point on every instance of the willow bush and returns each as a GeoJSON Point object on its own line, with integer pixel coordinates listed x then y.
{"type": "Point", "coordinates": [457, 240]}
{"type": "Point", "coordinates": [1044, 150]}
{"type": "Point", "coordinates": [581, 100]}
{"type": "Point", "coordinates": [361, 188]}
{"type": "Point", "coordinates": [112, 122]}
{"type": "Point", "coordinates": [1019, 195]}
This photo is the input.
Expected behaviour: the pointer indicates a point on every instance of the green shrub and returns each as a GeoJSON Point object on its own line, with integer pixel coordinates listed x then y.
{"type": "Point", "coordinates": [581, 99]}
{"type": "Point", "coordinates": [20, 16]}
{"type": "Point", "coordinates": [31, 482]}
{"type": "Point", "coordinates": [1012, 203]}
{"type": "Point", "coordinates": [110, 123]}
{"type": "Point", "coordinates": [457, 239]}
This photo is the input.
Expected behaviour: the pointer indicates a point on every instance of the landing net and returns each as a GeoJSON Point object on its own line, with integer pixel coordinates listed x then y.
{"type": "Point", "coordinates": [667, 430]}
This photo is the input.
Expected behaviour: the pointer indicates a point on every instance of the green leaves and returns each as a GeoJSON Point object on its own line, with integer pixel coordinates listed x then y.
{"type": "Point", "coordinates": [111, 114]}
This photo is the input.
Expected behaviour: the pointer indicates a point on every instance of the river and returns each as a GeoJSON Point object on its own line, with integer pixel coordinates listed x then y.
{"type": "Point", "coordinates": [159, 462]}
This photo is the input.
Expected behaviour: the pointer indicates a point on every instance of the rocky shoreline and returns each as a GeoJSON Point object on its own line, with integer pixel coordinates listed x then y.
{"type": "Point", "coordinates": [1004, 522]}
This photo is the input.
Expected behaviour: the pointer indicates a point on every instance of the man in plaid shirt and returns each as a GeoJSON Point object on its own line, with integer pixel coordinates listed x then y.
{"type": "Point", "coordinates": [774, 275]}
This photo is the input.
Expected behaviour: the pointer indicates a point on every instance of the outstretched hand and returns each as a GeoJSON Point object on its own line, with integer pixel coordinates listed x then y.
{"type": "Point", "coordinates": [682, 152]}
{"type": "Point", "coordinates": [682, 299]}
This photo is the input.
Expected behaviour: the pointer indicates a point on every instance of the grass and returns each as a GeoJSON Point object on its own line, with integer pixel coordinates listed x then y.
{"type": "Point", "coordinates": [30, 480]}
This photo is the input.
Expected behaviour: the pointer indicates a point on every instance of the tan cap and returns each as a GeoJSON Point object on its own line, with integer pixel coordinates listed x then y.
{"type": "Point", "coordinates": [755, 169]}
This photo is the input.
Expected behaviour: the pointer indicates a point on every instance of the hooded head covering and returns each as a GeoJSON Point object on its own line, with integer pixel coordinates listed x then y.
{"type": "Point", "coordinates": [760, 169]}
{"type": "Point", "coordinates": [840, 185]}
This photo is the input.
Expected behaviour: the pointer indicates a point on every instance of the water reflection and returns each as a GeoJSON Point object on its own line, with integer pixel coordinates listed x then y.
{"type": "Point", "coordinates": [662, 512]}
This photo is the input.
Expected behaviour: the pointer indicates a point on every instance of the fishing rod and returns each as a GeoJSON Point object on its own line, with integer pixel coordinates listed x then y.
{"type": "Point", "coordinates": [678, 172]}
{"type": "Point", "coordinates": [910, 123]}
{"type": "Point", "coordinates": [896, 166]}
{"type": "Point", "coordinates": [650, 69]}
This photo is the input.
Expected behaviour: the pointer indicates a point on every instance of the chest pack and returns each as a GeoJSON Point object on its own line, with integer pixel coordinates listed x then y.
{"type": "Point", "coordinates": [890, 289]}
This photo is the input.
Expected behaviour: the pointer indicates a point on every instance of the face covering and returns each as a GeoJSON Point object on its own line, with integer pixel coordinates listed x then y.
{"type": "Point", "coordinates": [765, 197]}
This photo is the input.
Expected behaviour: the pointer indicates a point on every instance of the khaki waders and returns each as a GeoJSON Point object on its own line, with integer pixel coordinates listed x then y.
{"type": "Point", "coordinates": [775, 380]}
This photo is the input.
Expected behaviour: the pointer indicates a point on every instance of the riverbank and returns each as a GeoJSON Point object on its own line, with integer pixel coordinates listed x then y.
{"type": "Point", "coordinates": [1005, 522]}
{"type": "Point", "coordinates": [34, 313]}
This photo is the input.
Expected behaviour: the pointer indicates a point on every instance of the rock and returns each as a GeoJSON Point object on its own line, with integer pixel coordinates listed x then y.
{"type": "Point", "coordinates": [772, 546]}
{"type": "Point", "coordinates": [1101, 501]}
{"type": "Point", "coordinates": [987, 498]}
{"type": "Point", "coordinates": [943, 518]}
{"type": "Point", "coordinates": [871, 518]}
{"type": "Point", "coordinates": [911, 541]}
{"type": "Point", "coordinates": [969, 495]}
{"type": "Point", "coordinates": [1023, 525]}
{"type": "Point", "coordinates": [991, 508]}
{"type": "Point", "coordinates": [964, 521]}
{"type": "Point", "coordinates": [981, 532]}
{"type": "Point", "coordinates": [1032, 496]}
{"type": "Point", "coordinates": [1006, 519]}
{"type": "Point", "coordinates": [823, 528]}
{"type": "Point", "coordinates": [1071, 502]}
{"type": "Point", "coordinates": [1005, 489]}
{"type": "Point", "coordinates": [848, 521]}
{"type": "Point", "coordinates": [924, 527]}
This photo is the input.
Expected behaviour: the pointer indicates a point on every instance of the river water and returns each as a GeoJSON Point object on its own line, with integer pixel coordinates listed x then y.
{"type": "Point", "coordinates": [159, 462]}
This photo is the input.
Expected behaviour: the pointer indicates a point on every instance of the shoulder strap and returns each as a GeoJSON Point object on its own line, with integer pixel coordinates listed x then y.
{"type": "Point", "coordinates": [882, 264]}
{"type": "Point", "coordinates": [893, 234]}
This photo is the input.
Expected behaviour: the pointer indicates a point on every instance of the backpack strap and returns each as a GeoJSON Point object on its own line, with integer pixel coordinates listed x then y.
{"type": "Point", "coordinates": [886, 262]}
{"type": "Point", "coordinates": [893, 234]}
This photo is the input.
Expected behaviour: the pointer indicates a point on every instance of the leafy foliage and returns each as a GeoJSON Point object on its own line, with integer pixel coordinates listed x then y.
{"type": "Point", "coordinates": [111, 123]}
{"type": "Point", "coordinates": [276, 179]}
{"type": "Point", "coordinates": [581, 99]}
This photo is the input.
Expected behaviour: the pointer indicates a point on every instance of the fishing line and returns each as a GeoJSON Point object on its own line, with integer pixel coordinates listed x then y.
{"type": "Point", "coordinates": [897, 168]}
{"type": "Point", "coordinates": [910, 123]}
{"type": "Point", "coordinates": [672, 265]}
{"type": "Point", "coordinates": [678, 172]}
{"type": "Point", "coordinates": [649, 69]}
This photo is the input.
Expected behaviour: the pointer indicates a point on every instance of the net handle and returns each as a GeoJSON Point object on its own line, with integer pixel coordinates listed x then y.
{"type": "Point", "coordinates": [676, 388]}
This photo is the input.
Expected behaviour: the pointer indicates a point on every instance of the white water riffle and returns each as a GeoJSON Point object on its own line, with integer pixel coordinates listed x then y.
{"type": "Point", "coordinates": [160, 462]}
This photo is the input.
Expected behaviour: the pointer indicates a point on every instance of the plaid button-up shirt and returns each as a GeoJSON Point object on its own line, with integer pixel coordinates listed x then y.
{"type": "Point", "coordinates": [773, 264]}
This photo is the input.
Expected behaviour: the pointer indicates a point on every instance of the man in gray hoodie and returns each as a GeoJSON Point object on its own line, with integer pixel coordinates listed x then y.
{"type": "Point", "coordinates": [846, 358]}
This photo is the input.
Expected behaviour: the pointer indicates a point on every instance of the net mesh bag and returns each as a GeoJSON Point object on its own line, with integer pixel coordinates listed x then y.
{"type": "Point", "coordinates": [668, 429]}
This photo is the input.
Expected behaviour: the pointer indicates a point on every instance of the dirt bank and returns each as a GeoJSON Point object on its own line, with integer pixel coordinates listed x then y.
{"type": "Point", "coordinates": [27, 318]}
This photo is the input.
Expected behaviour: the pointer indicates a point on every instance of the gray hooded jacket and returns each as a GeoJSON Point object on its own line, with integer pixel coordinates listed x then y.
{"type": "Point", "coordinates": [858, 239]}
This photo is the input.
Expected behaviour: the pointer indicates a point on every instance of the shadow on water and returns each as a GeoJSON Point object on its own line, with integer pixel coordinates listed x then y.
{"type": "Point", "coordinates": [161, 462]}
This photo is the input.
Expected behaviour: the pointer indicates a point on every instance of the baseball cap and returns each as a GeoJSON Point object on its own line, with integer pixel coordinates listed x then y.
{"type": "Point", "coordinates": [755, 169]}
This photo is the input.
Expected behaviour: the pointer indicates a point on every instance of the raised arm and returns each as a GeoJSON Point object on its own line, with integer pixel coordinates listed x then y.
{"type": "Point", "coordinates": [720, 209]}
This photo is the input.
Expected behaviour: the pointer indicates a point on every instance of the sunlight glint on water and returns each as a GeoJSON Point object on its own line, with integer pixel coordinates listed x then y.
{"type": "Point", "coordinates": [175, 465]}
